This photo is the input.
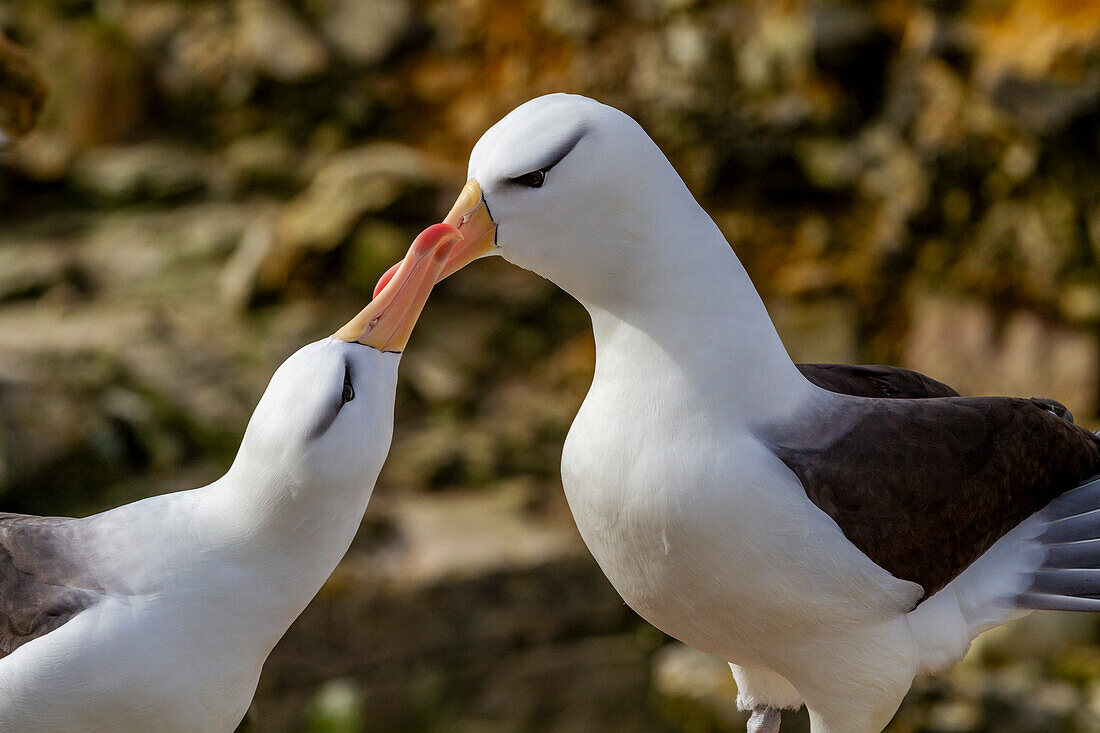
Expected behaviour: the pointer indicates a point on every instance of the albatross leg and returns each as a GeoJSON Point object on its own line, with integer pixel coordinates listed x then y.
{"type": "Point", "coordinates": [764, 720]}
{"type": "Point", "coordinates": [765, 693]}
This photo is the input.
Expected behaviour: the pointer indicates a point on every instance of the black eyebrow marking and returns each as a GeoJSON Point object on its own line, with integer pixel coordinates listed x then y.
{"type": "Point", "coordinates": [332, 409]}
{"type": "Point", "coordinates": [563, 150]}
{"type": "Point", "coordinates": [347, 371]}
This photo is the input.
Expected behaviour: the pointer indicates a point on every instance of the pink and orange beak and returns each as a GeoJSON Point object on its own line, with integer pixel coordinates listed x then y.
{"type": "Point", "coordinates": [387, 322]}
{"type": "Point", "coordinates": [468, 232]}
{"type": "Point", "coordinates": [470, 215]}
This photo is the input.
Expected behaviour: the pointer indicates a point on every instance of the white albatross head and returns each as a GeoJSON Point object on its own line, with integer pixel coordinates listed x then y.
{"type": "Point", "coordinates": [326, 417]}
{"type": "Point", "coordinates": [577, 192]}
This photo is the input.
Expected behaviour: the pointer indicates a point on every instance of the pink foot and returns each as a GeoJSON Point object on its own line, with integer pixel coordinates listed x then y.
{"type": "Point", "coordinates": [764, 720]}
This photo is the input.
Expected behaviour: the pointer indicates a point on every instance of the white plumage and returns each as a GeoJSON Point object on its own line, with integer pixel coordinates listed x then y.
{"type": "Point", "coordinates": [190, 591]}
{"type": "Point", "coordinates": [158, 615]}
{"type": "Point", "coordinates": [694, 466]}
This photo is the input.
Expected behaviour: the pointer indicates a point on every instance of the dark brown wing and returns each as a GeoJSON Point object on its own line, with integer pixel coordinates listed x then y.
{"type": "Point", "coordinates": [35, 598]}
{"type": "Point", "coordinates": [878, 380]}
{"type": "Point", "coordinates": [924, 487]}
{"type": "Point", "coordinates": [874, 381]}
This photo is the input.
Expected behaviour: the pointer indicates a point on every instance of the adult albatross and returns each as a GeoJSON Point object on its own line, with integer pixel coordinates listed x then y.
{"type": "Point", "coordinates": [825, 535]}
{"type": "Point", "coordinates": [158, 615]}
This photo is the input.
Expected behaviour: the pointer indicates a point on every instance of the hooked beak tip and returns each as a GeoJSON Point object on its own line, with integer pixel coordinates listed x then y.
{"type": "Point", "coordinates": [388, 320]}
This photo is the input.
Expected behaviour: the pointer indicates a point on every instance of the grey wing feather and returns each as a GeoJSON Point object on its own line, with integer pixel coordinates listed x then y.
{"type": "Point", "coordinates": [1048, 602]}
{"type": "Point", "coordinates": [35, 575]}
{"type": "Point", "coordinates": [1069, 578]}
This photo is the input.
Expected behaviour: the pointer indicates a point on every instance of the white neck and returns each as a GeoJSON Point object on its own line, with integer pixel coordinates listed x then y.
{"type": "Point", "coordinates": [288, 535]}
{"type": "Point", "coordinates": [694, 311]}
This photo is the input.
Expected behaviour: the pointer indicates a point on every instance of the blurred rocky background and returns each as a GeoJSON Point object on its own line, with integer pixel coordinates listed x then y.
{"type": "Point", "coordinates": [215, 183]}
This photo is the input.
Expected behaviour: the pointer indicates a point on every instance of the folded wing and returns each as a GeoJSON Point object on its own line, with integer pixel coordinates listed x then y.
{"type": "Point", "coordinates": [39, 590]}
{"type": "Point", "coordinates": [923, 487]}
{"type": "Point", "coordinates": [874, 381]}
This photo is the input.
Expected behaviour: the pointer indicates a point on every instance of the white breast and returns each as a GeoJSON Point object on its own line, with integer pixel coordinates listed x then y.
{"type": "Point", "coordinates": [705, 533]}
{"type": "Point", "coordinates": [144, 665]}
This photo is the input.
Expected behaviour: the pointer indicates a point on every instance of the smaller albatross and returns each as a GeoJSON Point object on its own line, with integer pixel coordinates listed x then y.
{"type": "Point", "coordinates": [830, 530]}
{"type": "Point", "coordinates": [158, 615]}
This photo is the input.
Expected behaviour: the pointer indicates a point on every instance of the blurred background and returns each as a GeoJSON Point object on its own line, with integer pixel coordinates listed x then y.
{"type": "Point", "coordinates": [215, 183]}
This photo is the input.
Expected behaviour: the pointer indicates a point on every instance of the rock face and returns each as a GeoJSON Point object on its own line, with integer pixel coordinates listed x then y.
{"type": "Point", "coordinates": [215, 183]}
{"type": "Point", "coordinates": [275, 43]}
{"type": "Point", "coordinates": [132, 174]}
{"type": "Point", "coordinates": [527, 633]}
{"type": "Point", "coordinates": [22, 90]}
{"type": "Point", "coordinates": [364, 32]}
{"type": "Point", "coordinates": [978, 349]}
{"type": "Point", "coordinates": [365, 180]}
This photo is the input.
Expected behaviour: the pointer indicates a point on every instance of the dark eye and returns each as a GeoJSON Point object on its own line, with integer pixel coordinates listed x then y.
{"type": "Point", "coordinates": [349, 391]}
{"type": "Point", "coordinates": [534, 179]}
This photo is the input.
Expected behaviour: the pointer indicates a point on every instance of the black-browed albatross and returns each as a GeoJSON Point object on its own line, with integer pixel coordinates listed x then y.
{"type": "Point", "coordinates": [829, 530]}
{"type": "Point", "coordinates": [158, 615]}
